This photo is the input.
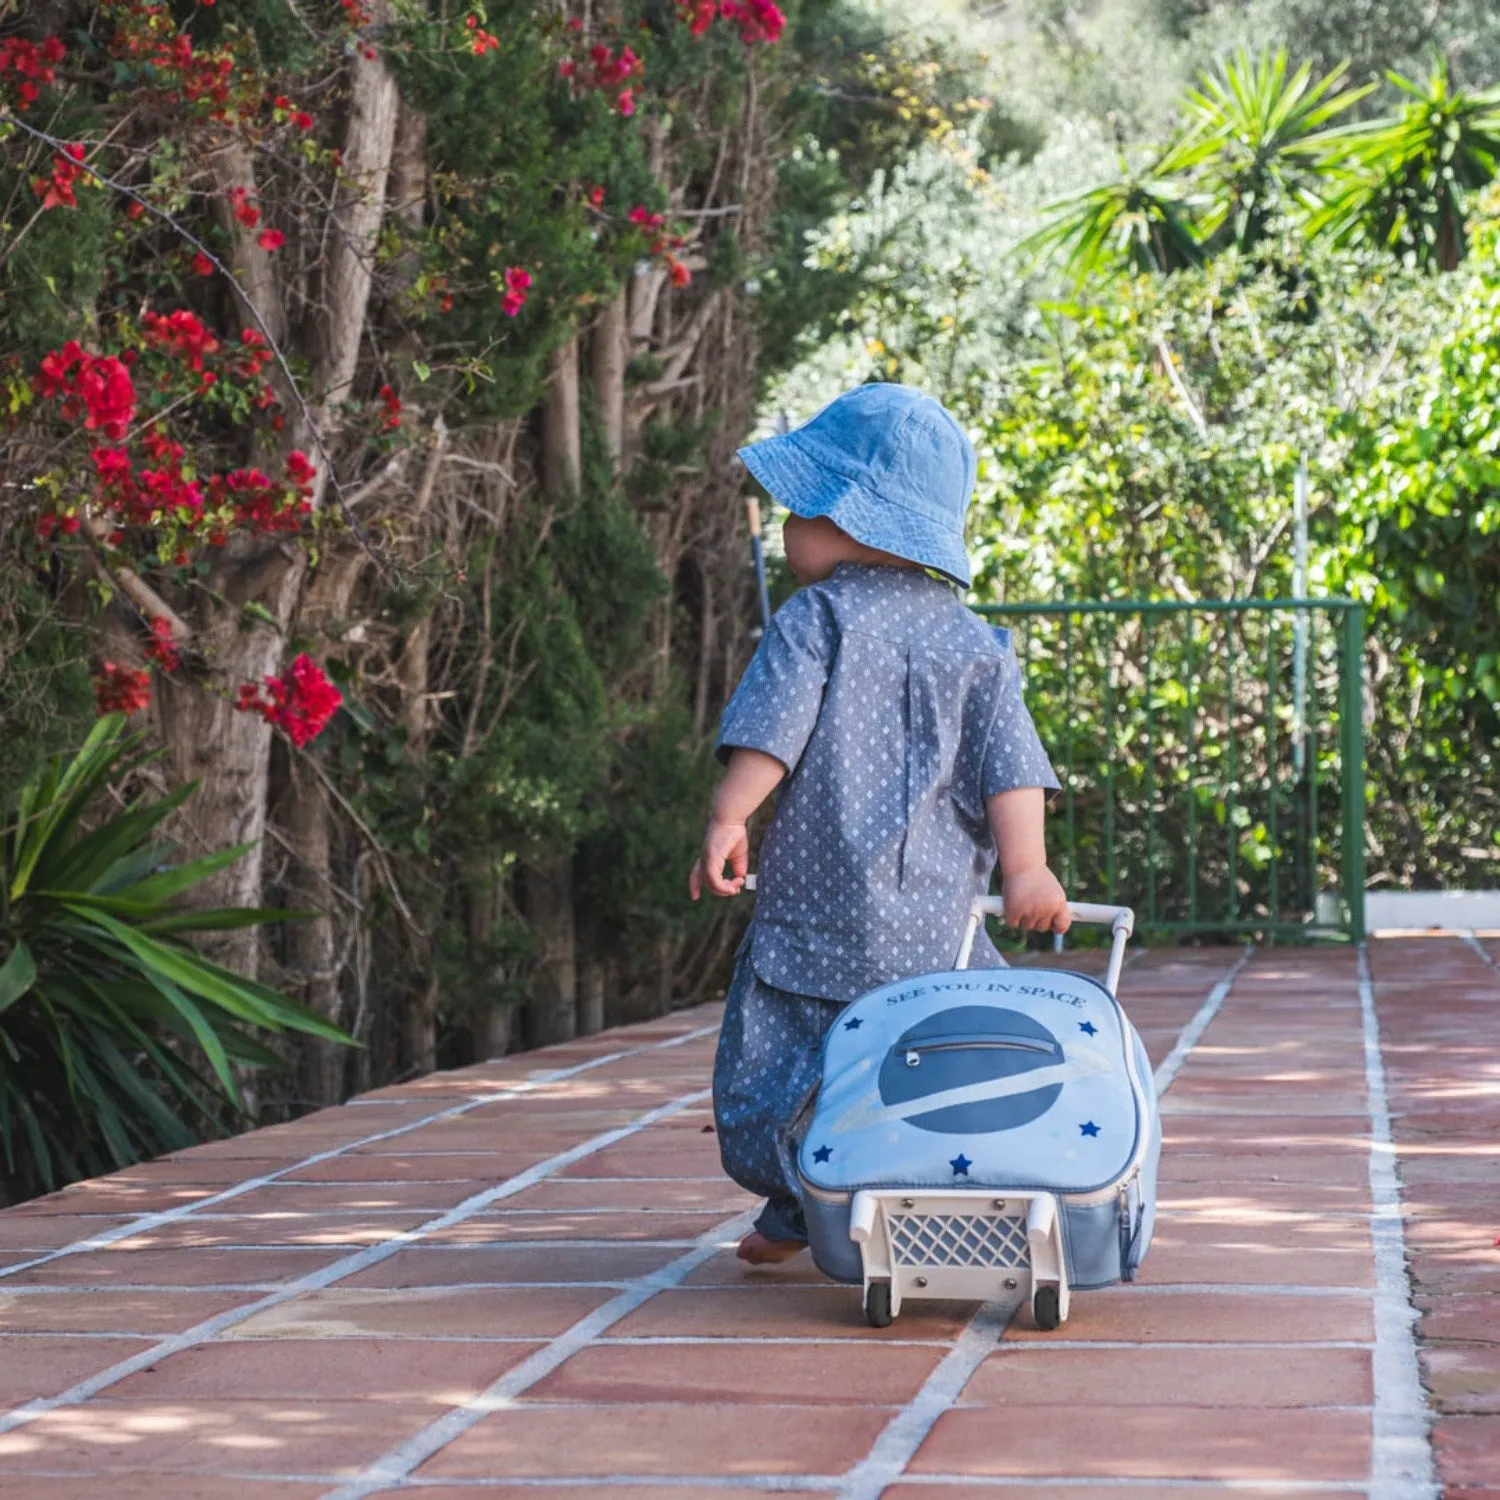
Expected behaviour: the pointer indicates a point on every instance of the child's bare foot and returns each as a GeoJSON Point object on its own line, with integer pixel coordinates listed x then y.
{"type": "Point", "coordinates": [760, 1251]}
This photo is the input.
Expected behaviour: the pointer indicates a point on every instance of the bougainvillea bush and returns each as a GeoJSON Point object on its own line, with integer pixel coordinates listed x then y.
{"type": "Point", "coordinates": [370, 372]}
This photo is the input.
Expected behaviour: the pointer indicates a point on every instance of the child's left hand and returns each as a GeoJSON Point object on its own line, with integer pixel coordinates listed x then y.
{"type": "Point", "coordinates": [723, 843]}
{"type": "Point", "coordinates": [1035, 901]}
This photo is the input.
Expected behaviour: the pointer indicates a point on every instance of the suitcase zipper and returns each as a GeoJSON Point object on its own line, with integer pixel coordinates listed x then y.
{"type": "Point", "coordinates": [974, 1044]}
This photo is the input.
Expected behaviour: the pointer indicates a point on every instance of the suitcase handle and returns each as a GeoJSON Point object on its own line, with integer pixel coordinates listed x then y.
{"type": "Point", "coordinates": [1120, 919]}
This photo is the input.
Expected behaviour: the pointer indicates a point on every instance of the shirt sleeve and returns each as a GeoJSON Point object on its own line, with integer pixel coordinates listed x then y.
{"type": "Point", "coordinates": [1014, 756]}
{"type": "Point", "coordinates": [777, 702]}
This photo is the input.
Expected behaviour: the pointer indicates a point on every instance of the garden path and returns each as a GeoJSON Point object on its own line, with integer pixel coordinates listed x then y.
{"type": "Point", "coordinates": [518, 1279]}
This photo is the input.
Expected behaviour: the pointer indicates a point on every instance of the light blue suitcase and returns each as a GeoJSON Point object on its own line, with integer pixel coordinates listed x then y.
{"type": "Point", "coordinates": [984, 1132]}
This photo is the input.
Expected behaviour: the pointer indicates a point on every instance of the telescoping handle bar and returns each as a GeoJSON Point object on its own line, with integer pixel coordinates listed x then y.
{"type": "Point", "coordinates": [1120, 919]}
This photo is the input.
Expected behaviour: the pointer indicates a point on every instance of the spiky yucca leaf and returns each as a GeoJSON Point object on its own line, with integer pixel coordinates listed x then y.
{"type": "Point", "coordinates": [1403, 182]}
{"type": "Point", "coordinates": [117, 1039]}
{"type": "Point", "coordinates": [1143, 221]}
{"type": "Point", "coordinates": [1265, 133]}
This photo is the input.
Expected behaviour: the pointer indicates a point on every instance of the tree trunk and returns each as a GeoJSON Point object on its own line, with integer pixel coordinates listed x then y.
{"type": "Point", "coordinates": [229, 753]}
{"type": "Point", "coordinates": [562, 440]}
{"type": "Point", "coordinates": [547, 885]}
{"type": "Point", "coordinates": [552, 1015]}
{"type": "Point", "coordinates": [610, 355]}
{"type": "Point", "coordinates": [591, 987]}
{"type": "Point", "coordinates": [312, 947]}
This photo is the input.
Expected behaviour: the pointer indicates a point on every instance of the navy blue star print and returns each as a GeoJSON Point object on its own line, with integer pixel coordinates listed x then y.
{"type": "Point", "coordinates": [822, 1153]}
{"type": "Point", "coordinates": [1088, 1028]}
{"type": "Point", "coordinates": [1090, 1129]}
{"type": "Point", "coordinates": [960, 1165]}
{"type": "Point", "coordinates": [853, 1023]}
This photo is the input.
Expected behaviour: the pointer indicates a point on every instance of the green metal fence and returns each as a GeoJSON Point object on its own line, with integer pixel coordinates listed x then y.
{"type": "Point", "coordinates": [1212, 756]}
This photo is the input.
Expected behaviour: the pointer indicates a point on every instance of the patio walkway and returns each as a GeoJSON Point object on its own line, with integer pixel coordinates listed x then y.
{"type": "Point", "coordinates": [515, 1279]}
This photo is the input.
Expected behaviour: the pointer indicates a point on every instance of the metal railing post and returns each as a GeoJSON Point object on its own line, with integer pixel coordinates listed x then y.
{"type": "Point", "coordinates": [1352, 758]}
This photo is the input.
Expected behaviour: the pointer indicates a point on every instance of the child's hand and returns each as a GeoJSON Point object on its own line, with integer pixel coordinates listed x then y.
{"type": "Point", "coordinates": [723, 843]}
{"type": "Point", "coordinates": [1035, 902]}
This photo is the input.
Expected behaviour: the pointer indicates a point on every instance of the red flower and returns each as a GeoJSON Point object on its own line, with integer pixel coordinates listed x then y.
{"type": "Point", "coordinates": [302, 120]}
{"type": "Point", "coordinates": [134, 210]}
{"type": "Point", "coordinates": [298, 469]}
{"type": "Point", "coordinates": [162, 647]}
{"type": "Point", "coordinates": [596, 197]}
{"type": "Point", "coordinates": [270, 239]}
{"type": "Point", "coordinates": [56, 190]}
{"type": "Point", "coordinates": [300, 702]}
{"type": "Point", "coordinates": [482, 40]}
{"type": "Point", "coordinates": [626, 102]}
{"type": "Point", "coordinates": [517, 286]}
{"type": "Point", "coordinates": [180, 333]}
{"type": "Point", "coordinates": [30, 64]}
{"type": "Point", "coordinates": [678, 272]}
{"type": "Point", "coordinates": [97, 385]}
{"type": "Point", "coordinates": [202, 264]}
{"type": "Point", "coordinates": [244, 210]}
{"type": "Point", "coordinates": [121, 689]}
{"type": "Point", "coordinates": [392, 416]}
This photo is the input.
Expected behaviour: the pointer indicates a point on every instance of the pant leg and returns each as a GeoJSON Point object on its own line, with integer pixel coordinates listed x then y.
{"type": "Point", "coordinates": [766, 1070]}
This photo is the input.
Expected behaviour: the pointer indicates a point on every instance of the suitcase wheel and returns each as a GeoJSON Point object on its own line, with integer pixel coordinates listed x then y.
{"type": "Point", "coordinates": [878, 1304]}
{"type": "Point", "coordinates": [1046, 1308]}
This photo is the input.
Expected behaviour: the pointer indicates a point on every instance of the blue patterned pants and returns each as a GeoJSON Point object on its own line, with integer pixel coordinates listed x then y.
{"type": "Point", "coordinates": [767, 1069]}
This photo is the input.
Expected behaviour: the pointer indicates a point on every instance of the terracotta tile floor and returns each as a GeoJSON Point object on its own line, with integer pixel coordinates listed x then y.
{"type": "Point", "coordinates": [516, 1278]}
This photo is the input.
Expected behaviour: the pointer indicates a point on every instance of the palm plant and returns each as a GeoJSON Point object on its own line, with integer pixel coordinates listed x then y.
{"type": "Point", "coordinates": [1406, 178]}
{"type": "Point", "coordinates": [118, 1040]}
{"type": "Point", "coordinates": [1143, 221]}
{"type": "Point", "coordinates": [1264, 134]}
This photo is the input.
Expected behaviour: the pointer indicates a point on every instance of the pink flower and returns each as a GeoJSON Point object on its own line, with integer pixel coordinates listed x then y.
{"type": "Point", "coordinates": [626, 102]}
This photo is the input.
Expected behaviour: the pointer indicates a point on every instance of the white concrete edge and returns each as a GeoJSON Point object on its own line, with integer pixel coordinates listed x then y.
{"type": "Point", "coordinates": [314, 1281]}
{"type": "Point", "coordinates": [821, 1483]}
{"type": "Point", "coordinates": [899, 1440]}
{"type": "Point", "coordinates": [142, 1223]}
{"type": "Point", "coordinates": [1401, 1459]}
{"type": "Point", "coordinates": [396, 1464]}
{"type": "Point", "coordinates": [1192, 1033]}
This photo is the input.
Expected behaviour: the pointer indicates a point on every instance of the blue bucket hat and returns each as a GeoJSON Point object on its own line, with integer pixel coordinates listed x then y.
{"type": "Point", "coordinates": [885, 463]}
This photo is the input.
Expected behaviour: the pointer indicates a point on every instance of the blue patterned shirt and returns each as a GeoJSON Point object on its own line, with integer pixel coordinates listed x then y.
{"type": "Point", "coordinates": [896, 711]}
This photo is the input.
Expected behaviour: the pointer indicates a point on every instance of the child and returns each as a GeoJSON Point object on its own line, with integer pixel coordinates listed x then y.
{"type": "Point", "coordinates": [894, 717]}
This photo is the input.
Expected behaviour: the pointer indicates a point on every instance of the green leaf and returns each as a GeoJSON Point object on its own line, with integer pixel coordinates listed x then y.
{"type": "Point", "coordinates": [170, 883]}
{"type": "Point", "coordinates": [257, 611]}
{"type": "Point", "coordinates": [17, 975]}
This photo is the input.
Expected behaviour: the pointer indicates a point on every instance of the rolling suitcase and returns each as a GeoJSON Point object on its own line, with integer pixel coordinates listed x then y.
{"type": "Point", "coordinates": [983, 1132]}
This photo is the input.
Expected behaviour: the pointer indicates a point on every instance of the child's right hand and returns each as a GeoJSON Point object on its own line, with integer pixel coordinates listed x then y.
{"type": "Point", "coordinates": [723, 843]}
{"type": "Point", "coordinates": [1035, 901]}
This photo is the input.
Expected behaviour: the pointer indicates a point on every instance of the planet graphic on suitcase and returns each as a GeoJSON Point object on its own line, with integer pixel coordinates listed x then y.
{"type": "Point", "coordinates": [964, 1048]}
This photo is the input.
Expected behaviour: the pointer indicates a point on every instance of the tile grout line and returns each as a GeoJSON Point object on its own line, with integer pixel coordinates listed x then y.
{"type": "Point", "coordinates": [143, 1223]}
{"type": "Point", "coordinates": [886, 1463]}
{"type": "Point", "coordinates": [394, 1467]}
{"type": "Point", "coordinates": [1401, 1460]}
{"type": "Point", "coordinates": [210, 1328]}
